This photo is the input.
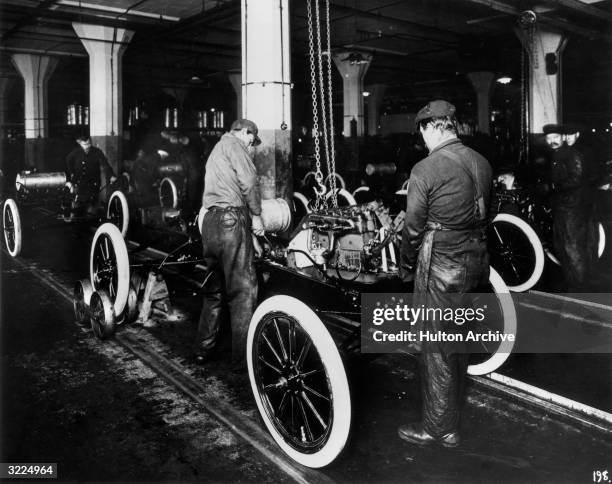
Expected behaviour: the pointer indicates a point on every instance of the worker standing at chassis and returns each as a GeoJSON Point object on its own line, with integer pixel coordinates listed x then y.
{"type": "Point", "coordinates": [444, 249]}
{"type": "Point", "coordinates": [574, 229]}
{"type": "Point", "coordinates": [85, 166]}
{"type": "Point", "coordinates": [233, 201]}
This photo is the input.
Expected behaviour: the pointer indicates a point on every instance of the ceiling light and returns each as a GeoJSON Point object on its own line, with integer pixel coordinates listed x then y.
{"type": "Point", "coordinates": [366, 93]}
{"type": "Point", "coordinates": [504, 80]}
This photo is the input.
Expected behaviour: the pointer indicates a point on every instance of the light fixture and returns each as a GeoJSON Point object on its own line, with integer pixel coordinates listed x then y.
{"type": "Point", "coordinates": [195, 78]}
{"type": "Point", "coordinates": [355, 58]}
{"type": "Point", "coordinates": [365, 93]}
{"type": "Point", "coordinates": [504, 80]}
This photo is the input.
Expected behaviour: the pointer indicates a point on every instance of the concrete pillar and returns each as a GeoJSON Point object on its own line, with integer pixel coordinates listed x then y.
{"type": "Point", "coordinates": [482, 82]}
{"type": "Point", "coordinates": [544, 89]}
{"type": "Point", "coordinates": [374, 100]}
{"type": "Point", "coordinates": [352, 74]}
{"type": "Point", "coordinates": [105, 46]}
{"type": "Point", "coordinates": [236, 79]}
{"type": "Point", "coordinates": [266, 90]}
{"type": "Point", "coordinates": [36, 71]}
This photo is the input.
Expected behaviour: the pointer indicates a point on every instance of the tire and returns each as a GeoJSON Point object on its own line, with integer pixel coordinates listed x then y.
{"type": "Point", "coordinates": [343, 195]}
{"type": "Point", "coordinates": [102, 315]}
{"type": "Point", "coordinates": [328, 402]}
{"type": "Point", "coordinates": [601, 245]}
{"type": "Point", "coordinates": [81, 300]}
{"type": "Point", "coordinates": [201, 215]}
{"type": "Point", "coordinates": [507, 311]}
{"type": "Point", "coordinates": [11, 223]}
{"type": "Point", "coordinates": [109, 267]}
{"type": "Point", "coordinates": [300, 206]}
{"type": "Point", "coordinates": [117, 211]}
{"type": "Point", "coordinates": [516, 252]}
{"type": "Point", "coordinates": [338, 178]}
{"type": "Point", "coordinates": [363, 195]}
{"type": "Point", "coordinates": [168, 193]}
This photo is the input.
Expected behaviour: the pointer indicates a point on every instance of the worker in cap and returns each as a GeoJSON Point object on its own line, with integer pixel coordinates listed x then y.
{"type": "Point", "coordinates": [233, 203]}
{"type": "Point", "coordinates": [444, 250]}
{"type": "Point", "coordinates": [574, 230]}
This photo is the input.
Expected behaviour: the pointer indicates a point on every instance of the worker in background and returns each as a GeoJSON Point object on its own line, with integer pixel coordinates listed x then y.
{"type": "Point", "coordinates": [88, 173]}
{"type": "Point", "coordinates": [574, 229]}
{"type": "Point", "coordinates": [444, 248]}
{"type": "Point", "coordinates": [233, 202]}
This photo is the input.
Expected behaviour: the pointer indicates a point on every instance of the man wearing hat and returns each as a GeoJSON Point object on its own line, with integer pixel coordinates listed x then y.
{"type": "Point", "coordinates": [574, 230]}
{"type": "Point", "coordinates": [444, 249]}
{"type": "Point", "coordinates": [233, 201]}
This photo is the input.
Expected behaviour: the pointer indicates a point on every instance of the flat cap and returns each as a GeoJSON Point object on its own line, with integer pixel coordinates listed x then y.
{"type": "Point", "coordinates": [435, 109]}
{"type": "Point", "coordinates": [553, 128]}
{"type": "Point", "coordinates": [249, 125]}
{"type": "Point", "coordinates": [571, 128]}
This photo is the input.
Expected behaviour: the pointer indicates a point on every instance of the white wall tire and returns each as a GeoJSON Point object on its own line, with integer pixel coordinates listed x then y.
{"type": "Point", "coordinates": [506, 305]}
{"type": "Point", "coordinates": [109, 267]}
{"type": "Point", "coordinates": [274, 318]}
{"type": "Point", "coordinates": [521, 271]}
{"type": "Point", "coordinates": [201, 215]}
{"type": "Point", "coordinates": [117, 211]}
{"type": "Point", "coordinates": [339, 180]}
{"type": "Point", "coordinates": [361, 189]}
{"type": "Point", "coordinates": [343, 196]}
{"type": "Point", "coordinates": [300, 203]}
{"type": "Point", "coordinates": [11, 224]}
{"type": "Point", "coordinates": [168, 193]}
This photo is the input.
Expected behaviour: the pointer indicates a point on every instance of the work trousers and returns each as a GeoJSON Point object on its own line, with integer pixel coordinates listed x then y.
{"type": "Point", "coordinates": [443, 365]}
{"type": "Point", "coordinates": [229, 255]}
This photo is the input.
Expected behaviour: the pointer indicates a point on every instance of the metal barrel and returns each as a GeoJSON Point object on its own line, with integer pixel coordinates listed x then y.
{"type": "Point", "coordinates": [380, 169]}
{"type": "Point", "coordinates": [40, 181]}
{"type": "Point", "coordinates": [275, 214]}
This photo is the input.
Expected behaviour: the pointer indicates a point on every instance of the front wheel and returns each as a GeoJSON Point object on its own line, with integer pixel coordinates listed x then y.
{"type": "Point", "coordinates": [11, 223]}
{"type": "Point", "coordinates": [117, 211]}
{"type": "Point", "coordinates": [516, 252]}
{"type": "Point", "coordinates": [298, 381]}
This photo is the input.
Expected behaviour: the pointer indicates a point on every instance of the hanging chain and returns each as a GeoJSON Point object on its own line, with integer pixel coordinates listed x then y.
{"type": "Point", "coordinates": [320, 190]}
{"type": "Point", "coordinates": [523, 127]}
{"type": "Point", "coordinates": [332, 169]}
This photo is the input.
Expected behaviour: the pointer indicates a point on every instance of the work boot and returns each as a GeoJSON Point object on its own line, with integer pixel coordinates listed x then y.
{"type": "Point", "coordinates": [415, 434]}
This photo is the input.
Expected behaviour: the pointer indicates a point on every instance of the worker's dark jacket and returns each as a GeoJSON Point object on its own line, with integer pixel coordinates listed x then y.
{"type": "Point", "coordinates": [574, 226]}
{"type": "Point", "coordinates": [231, 195]}
{"type": "Point", "coordinates": [444, 240]}
{"type": "Point", "coordinates": [85, 170]}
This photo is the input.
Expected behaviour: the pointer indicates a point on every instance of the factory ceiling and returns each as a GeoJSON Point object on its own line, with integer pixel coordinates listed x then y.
{"type": "Point", "coordinates": [419, 47]}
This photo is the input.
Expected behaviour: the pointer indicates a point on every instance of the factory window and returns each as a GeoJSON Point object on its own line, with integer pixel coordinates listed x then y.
{"type": "Point", "coordinates": [77, 114]}
{"type": "Point", "coordinates": [171, 117]}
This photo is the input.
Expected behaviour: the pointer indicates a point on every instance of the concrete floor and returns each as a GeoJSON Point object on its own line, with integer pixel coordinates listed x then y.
{"type": "Point", "coordinates": [102, 415]}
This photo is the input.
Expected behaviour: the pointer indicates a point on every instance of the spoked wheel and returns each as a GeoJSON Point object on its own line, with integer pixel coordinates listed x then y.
{"type": "Point", "coordinates": [11, 222]}
{"type": "Point", "coordinates": [298, 381]}
{"type": "Point", "coordinates": [516, 252]}
{"type": "Point", "coordinates": [363, 195]}
{"type": "Point", "coordinates": [81, 300]}
{"type": "Point", "coordinates": [345, 199]}
{"type": "Point", "coordinates": [102, 315]}
{"type": "Point", "coordinates": [488, 356]}
{"type": "Point", "coordinates": [117, 211]}
{"type": "Point", "coordinates": [109, 267]}
{"type": "Point", "coordinates": [168, 193]}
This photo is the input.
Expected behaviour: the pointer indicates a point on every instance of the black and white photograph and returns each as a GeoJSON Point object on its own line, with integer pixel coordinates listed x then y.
{"type": "Point", "coordinates": [306, 241]}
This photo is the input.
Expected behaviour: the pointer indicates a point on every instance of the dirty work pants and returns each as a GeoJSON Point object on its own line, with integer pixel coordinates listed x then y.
{"type": "Point", "coordinates": [456, 270]}
{"type": "Point", "coordinates": [228, 253]}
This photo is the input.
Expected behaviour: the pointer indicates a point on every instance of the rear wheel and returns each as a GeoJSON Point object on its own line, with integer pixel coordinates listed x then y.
{"type": "Point", "coordinates": [298, 380]}
{"type": "Point", "coordinates": [109, 267]}
{"type": "Point", "coordinates": [516, 252]}
{"type": "Point", "coordinates": [11, 223]}
{"type": "Point", "coordinates": [168, 193]}
{"type": "Point", "coordinates": [102, 315]}
{"type": "Point", "coordinates": [81, 300]}
{"type": "Point", "coordinates": [487, 357]}
{"type": "Point", "coordinates": [601, 245]}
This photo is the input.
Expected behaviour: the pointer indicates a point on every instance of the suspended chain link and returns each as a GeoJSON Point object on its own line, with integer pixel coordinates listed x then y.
{"type": "Point", "coordinates": [332, 169]}
{"type": "Point", "coordinates": [523, 127]}
{"type": "Point", "coordinates": [319, 191]}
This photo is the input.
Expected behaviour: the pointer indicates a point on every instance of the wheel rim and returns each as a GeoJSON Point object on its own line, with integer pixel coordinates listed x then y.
{"type": "Point", "coordinates": [97, 316]}
{"type": "Point", "coordinates": [9, 228]}
{"type": "Point", "coordinates": [105, 269]}
{"type": "Point", "coordinates": [511, 253]}
{"type": "Point", "coordinates": [115, 212]}
{"type": "Point", "coordinates": [293, 383]}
